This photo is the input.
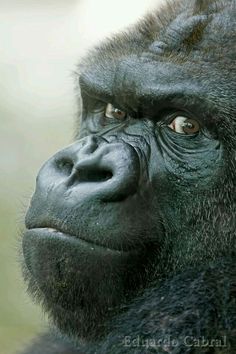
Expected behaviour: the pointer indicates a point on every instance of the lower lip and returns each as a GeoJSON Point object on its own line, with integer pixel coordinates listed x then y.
{"type": "Point", "coordinates": [53, 233]}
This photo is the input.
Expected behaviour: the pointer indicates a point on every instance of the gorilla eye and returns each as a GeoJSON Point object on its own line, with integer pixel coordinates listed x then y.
{"type": "Point", "coordinates": [185, 125]}
{"type": "Point", "coordinates": [112, 112]}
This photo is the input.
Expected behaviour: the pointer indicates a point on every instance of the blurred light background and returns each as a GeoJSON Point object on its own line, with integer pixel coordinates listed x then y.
{"type": "Point", "coordinates": [40, 45]}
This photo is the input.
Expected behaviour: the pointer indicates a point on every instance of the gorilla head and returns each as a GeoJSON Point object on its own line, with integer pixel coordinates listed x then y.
{"type": "Point", "coordinates": [147, 189]}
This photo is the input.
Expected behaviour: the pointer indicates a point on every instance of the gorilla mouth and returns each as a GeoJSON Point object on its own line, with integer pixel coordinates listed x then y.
{"type": "Point", "coordinates": [65, 236]}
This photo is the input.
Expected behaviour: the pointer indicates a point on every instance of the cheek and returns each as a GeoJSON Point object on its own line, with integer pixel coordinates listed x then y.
{"type": "Point", "coordinates": [189, 161]}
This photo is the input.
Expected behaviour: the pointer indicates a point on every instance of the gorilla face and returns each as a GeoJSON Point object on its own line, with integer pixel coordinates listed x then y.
{"type": "Point", "coordinates": [139, 193]}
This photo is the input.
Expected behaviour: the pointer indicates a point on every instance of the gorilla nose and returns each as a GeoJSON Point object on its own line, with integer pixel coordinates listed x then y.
{"type": "Point", "coordinates": [85, 163]}
{"type": "Point", "coordinates": [93, 167]}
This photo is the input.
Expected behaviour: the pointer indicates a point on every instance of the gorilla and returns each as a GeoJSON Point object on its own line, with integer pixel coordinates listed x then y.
{"type": "Point", "coordinates": [130, 241]}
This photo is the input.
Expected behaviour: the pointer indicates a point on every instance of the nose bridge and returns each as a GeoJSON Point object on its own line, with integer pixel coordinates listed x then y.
{"type": "Point", "coordinates": [84, 148]}
{"type": "Point", "coordinates": [98, 154]}
{"type": "Point", "coordinates": [89, 145]}
{"type": "Point", "coordinates": [79, 152]}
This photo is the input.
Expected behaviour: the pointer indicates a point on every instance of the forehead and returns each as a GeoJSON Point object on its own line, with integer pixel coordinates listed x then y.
{"type": "Point", "coordinates": [164, 47]}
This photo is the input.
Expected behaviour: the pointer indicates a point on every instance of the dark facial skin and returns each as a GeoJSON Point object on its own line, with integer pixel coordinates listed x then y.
{"type": "Point", "coordinates": [139, 194]}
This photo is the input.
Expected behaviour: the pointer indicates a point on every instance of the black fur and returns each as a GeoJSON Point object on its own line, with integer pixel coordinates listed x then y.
{"type": "Point", "coordinates": [163, 276]}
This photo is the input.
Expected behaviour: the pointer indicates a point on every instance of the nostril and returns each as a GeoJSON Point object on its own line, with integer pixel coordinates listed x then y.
{"type": "Point", "coordinates": [88, 173]}
{"type": "Point", "coordinates": [64, 165]}
{"type": "Point", "coordinates": [93, 175]}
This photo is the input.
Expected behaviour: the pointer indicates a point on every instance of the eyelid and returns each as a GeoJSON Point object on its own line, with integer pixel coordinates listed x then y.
{"type": "Point", "coordinates": [98, 110]}
{"type": "Point", "coordinates": [98, 107]}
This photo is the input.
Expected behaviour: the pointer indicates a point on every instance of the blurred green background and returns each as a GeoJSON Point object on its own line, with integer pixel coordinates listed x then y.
{"type": "Point", "coordinates": [40, 44]}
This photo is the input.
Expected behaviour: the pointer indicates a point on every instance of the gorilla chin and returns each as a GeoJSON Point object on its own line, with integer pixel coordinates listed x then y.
{"type": "Point", "coordinates": [78, 281]}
